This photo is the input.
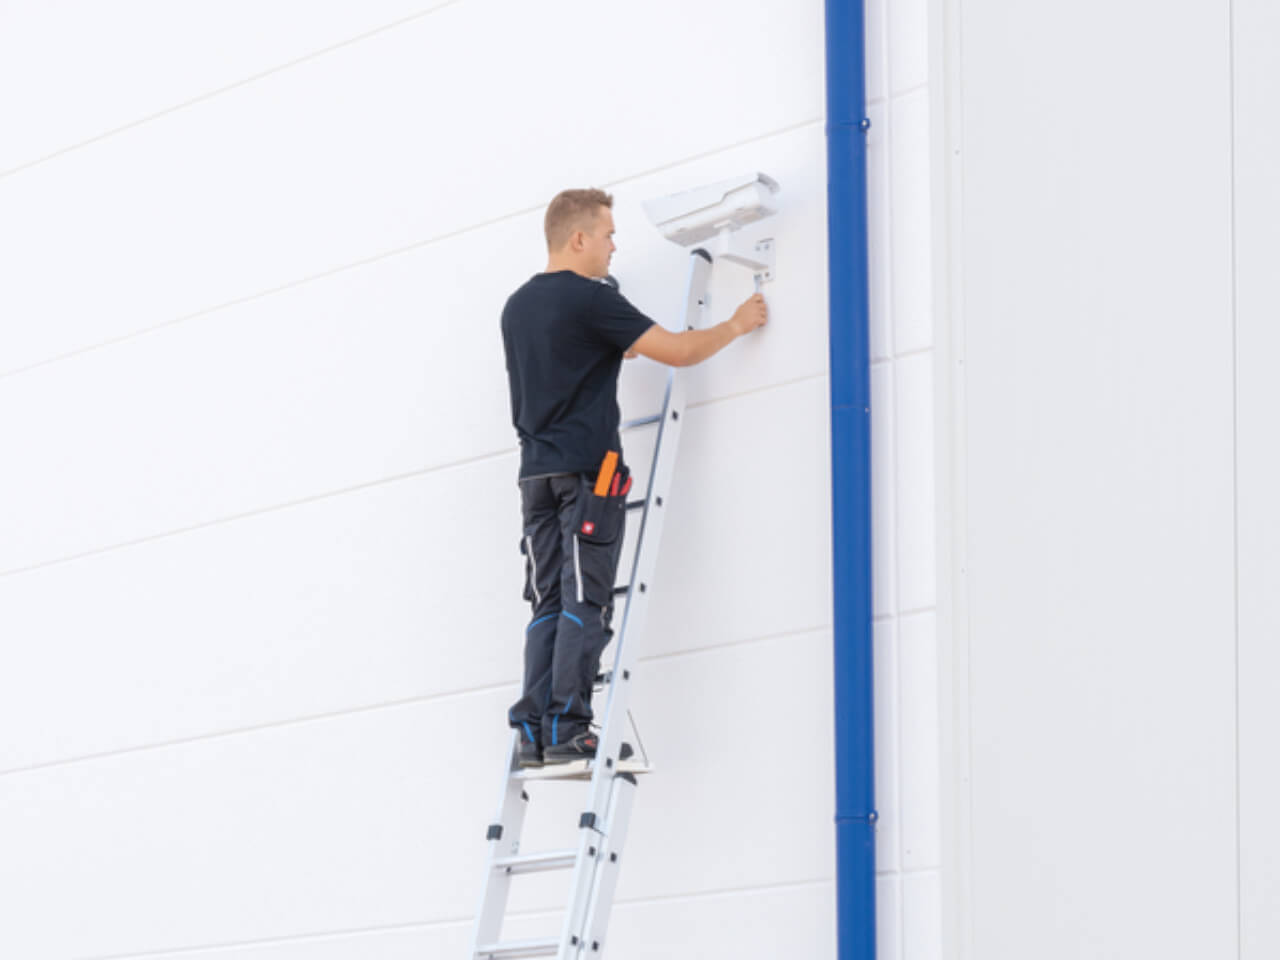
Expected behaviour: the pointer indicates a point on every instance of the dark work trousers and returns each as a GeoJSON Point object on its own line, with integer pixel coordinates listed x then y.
{"type": "Point", "coordinates": [572, 539]}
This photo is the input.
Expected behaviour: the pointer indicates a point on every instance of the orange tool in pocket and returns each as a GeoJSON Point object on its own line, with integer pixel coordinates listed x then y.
{"type": "Point", "coordinates": [607, 470]}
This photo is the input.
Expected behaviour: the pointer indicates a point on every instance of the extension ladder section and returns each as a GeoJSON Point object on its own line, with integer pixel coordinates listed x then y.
{"type": "Point", "coordinates": [594, 863]}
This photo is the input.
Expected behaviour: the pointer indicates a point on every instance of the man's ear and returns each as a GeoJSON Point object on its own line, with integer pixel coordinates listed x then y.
{"type": "Point", "coordinates": [578, 241]}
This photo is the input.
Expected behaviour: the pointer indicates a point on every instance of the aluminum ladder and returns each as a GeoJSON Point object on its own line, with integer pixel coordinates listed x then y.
{"type": "Point", "coordinates": [602, 827]}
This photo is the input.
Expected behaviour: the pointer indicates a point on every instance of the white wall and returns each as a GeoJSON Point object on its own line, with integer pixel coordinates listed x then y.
{"type": "Point", "coordinates": [908, 851]}
{"type": "Point", "coordinates": [259, 586]}
{"type": "Point", "coordinates": [1110, 305]}
{"type": "Point", "coordinates": [1256, 32]}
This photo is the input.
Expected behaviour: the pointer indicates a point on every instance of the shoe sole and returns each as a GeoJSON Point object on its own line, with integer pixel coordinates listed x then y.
{"type": "Point", "coordinates": [626, 754]}
{"type": "Point", "coordinates": [568, 758]}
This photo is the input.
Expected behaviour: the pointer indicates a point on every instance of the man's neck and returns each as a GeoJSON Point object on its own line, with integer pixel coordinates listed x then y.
{"type": "Point", "coordinates": [555, 265]}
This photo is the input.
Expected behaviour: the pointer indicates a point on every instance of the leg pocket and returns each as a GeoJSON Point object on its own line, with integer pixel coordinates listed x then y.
{"type": "Point", "coordinates": [601, 519]}
{"type": "Point", "coordinates": [594, 566]}
{"type": "Point", "coordinates": [599, 523]}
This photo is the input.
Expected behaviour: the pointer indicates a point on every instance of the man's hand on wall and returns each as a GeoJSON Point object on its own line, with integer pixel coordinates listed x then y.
{"type": "Point", "coordinates": [753, 313]}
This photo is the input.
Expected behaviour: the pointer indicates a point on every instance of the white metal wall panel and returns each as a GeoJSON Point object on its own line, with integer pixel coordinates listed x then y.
{"type": "Point", "coordinates": [750, 519]}
{"type": "Point", "coordinates": [1097, 373]}
{"type": "Point", "coordinates": [74, 70]}
{"type": "Point", "coordinates": [314, 609]}
{"type": "Point", "coordinates": [407, 589]}
{"type": "Point", "coordinates": [908, 851]}
{"type": "Point", "coordinates": [327, 385]}
{"type": "Point", "coordinates": [749, 925]}
{"type": "Point", "coordinates": [1257, 247]}
{"type": "Point", "coordinates": [444, 123]}
{"type": "Point", "coordinates": [254, 551]}
{"type": "Point", "coordinates": [376, 818]}
{"type": "Point", "coordinates": [352, 378]}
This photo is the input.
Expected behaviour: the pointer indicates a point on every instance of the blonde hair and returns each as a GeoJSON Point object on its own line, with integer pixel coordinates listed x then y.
{"type": "Point", "coordinates": [572, 210]}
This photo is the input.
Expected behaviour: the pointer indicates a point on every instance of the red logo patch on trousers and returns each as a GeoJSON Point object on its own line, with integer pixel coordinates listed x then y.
{"type": "Point", "coordinates": [588, 527]}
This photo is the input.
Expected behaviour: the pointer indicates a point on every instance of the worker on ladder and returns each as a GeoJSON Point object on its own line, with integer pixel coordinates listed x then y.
{"type": "Point", "coordinates": [565, 333]}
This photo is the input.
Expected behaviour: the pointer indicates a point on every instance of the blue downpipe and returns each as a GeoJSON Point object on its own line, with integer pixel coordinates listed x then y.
{"type": "Point", "coordinates": [850, 481]}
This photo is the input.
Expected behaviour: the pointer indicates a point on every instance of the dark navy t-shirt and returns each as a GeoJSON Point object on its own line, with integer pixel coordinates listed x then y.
{"type": "Point", "coordinates": [564, 336]}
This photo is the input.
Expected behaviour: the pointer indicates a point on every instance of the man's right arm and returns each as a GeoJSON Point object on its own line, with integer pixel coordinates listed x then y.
{"type": "Point", "coordinates": [693, 346]}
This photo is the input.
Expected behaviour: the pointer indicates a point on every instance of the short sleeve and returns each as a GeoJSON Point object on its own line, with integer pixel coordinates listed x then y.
{"type": "Point", "coordinates": [613, 319]}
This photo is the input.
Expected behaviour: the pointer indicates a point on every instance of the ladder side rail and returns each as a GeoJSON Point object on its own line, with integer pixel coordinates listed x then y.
{"type": "Point", "coordinates": [621, 799]}
{"type": "Point", "coordinates": [647, 547]}
{"type": "Point", "coordinates": [618, 692]}
{"type": "Point", "coordinates": [513, 803]}
{"type": "Point", "coordinates": [591, 835]}
{"type": "Point", "coordinates": [589, 844]}
{"type": "Point", "coordinates": [610, 738]}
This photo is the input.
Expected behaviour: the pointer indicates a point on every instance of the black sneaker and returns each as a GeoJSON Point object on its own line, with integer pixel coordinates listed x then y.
{"type": "Point", "coordinates": [581, 747]}
{"type": "Point", "coordinates": [529, 754]}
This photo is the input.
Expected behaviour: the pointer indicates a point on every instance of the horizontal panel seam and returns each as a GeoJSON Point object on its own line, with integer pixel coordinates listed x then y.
{"type": "Point", "coordinates": [376, 707]}
{"type": "Point", "coordinates": [743, 642]}
{"type": "Point", "coordinates": [464, 921]}
{"type": "Point", "coordinates": [233, 945]}
{"type": "Point", "coordinates": [908, 91]}
{"type": "Point", "coordinates": [910, 872]}
{"type": "Point", "coordinates": [916, 612]}
{"type": "Point", "coordinates": [218, 91]}
{"type": "Point", "coordinates": [244, 515]}
{"type": "Point", "coordinates": [354, 488]}
{"type": "Point", "coordinates": [887, 361]}
{"type": "Point", "coordinates": [258, 727]}
{"type": "Point", "coordinates": [385, 255]}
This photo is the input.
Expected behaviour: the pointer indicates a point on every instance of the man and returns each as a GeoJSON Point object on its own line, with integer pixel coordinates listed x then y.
{"type": "Point", "coordinates": [565, 334]}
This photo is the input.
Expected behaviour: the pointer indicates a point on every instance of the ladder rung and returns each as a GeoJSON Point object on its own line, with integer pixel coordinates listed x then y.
{"type": "Point", "coordinates": [572, 770]}
{"type": "Point", "coordinates": [534, 862]}
{"type": "Point", "coordinates": [578, 770]}
{"type": "Point", "coordinates": [519, 948]}
{"type": "Point", "coordinates": [635, 504]}
{"type": "Point", "coordinates": [642, 422]}
{"type": "Point", "coordinates": [622, 591]}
